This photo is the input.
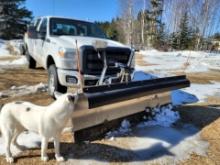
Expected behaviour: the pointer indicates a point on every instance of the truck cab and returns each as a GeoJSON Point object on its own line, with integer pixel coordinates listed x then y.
{"type": "Point", "coordinates": [67, 49]}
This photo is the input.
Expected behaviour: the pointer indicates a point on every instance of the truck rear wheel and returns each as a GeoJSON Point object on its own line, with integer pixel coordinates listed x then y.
{"type": "Point", "coordinates": [31, 61]}
{"type": "Point", "coordinates": [53, 82]}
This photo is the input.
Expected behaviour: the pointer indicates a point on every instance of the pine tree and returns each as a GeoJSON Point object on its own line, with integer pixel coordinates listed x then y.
{"type": "Point", "coordinates": [193, 38]}
{"type": "Point", "coordinates": [13, 18]}
{"type": "Point", "coordinates": [110, 29]}
{"type": "Point", "coordinates": [184, 36]}
{"type": "Point", "coordinates": [155, 19]}
{"type": "Point", "coordinates": [160, 39]}
{"type": "Point", "coordinates": [174, 40]}
{"type": "Point", "coordinates": [216, 36]}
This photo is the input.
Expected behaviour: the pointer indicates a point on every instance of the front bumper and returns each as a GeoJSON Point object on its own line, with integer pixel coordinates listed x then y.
{"type": "Point", "coordinates": [68, 77]}
{"type": "Point", "coordinates": [63, 76]}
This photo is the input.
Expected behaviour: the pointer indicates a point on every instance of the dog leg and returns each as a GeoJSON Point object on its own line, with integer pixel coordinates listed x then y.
{"type": "Point", "coordinates": [14, 142]}
{"type": "Point", "coordinates": [44, 145]}
{"type": "Point", "coordinates": [58, 157]}
{"type": "Point", "coordinates": [8, 138]}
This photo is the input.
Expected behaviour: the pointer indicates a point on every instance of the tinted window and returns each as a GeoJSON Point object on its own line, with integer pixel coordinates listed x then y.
{"type": "Point", "coordinates": [34, 23]}
{"type": "Point", "coordinates": [59, 26]}
{"type": "Point", "coordinates": [37, 23]}
{"type": "Point", "coordinates": [43, 26]}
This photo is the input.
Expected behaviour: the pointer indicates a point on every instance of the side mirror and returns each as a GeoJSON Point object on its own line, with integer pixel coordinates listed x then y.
{"type": "Point", "coordinates": [31, 28]}
{"type": "Point", "coordinates": [31, 31]}
{"type": "Point", "coordinates": [41, 35]}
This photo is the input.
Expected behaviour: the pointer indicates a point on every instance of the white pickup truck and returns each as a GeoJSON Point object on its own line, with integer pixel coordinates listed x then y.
{"type": "Point", "coordinates": [65, 47]}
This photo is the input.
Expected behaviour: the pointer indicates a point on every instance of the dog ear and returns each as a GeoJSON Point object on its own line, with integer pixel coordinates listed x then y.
{"type": "Point", "coordinates": [71, 98]}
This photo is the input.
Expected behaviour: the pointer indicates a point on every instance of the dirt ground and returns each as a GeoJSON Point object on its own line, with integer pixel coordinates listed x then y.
{"type": "Point", "coordinates": [205, 116]}
{"type": "Point", "coordinates": [139, 60]}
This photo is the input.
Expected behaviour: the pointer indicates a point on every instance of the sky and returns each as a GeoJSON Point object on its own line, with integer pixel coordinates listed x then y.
{"type": "Point", "coordinates": [92, 10]}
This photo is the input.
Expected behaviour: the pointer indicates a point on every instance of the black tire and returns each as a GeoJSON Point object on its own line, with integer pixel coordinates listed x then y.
{"type": "Point", "coordinates": [23, 50]}
{"type": "Point", "coordinates": [53, 82]}
{"type": "Point", "coordinates": [31, 61]}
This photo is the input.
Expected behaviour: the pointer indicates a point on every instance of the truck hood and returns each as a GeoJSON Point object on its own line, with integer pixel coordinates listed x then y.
{"type": "Point", "coordinates": [69, 41]}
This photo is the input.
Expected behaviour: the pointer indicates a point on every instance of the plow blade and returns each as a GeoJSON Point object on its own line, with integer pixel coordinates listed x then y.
{"type": "Point", "coordinates": [108, 94]}
{"type": "Point", "coordinates": [101, 104]}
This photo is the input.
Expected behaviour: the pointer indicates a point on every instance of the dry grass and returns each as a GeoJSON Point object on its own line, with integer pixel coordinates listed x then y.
{"type": "Point", "coordinates": [208, 120]}
{"type": "Point", "coordinates": [41, 98]}
{"type": "Point", "coordinates": [8, 58]}
{"type": "Point", "coordinates": [21, 77]}
{"type": "Point", "coordinates": [140, 61]}
{"type": "Point", "coordinates": [11, 49]}
{"type": "Point", "coordinates": [204, 77]}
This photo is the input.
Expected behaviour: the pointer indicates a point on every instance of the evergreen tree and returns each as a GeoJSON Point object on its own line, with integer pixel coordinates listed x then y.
{"type": "Point", "coordinates": [174, 40]}
{"type": "Point", "coordinates": [216, 36]}
{"type": "Point", "coordinates": [13, 18]}
{"type": "Point", "coordinates": [193, 38]}
{"type": "Point", "coordinates": [155, 17]}
{"type": "Point", "coordinates": [184, 36]}
{"type": "Point", "coordinates": [110, 29]}
{"type": "Point", "coordinates": [160, 39]}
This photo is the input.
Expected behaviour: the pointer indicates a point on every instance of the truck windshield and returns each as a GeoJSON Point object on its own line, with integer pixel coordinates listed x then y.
{"type": "Point", "coordinates": [60, 26]}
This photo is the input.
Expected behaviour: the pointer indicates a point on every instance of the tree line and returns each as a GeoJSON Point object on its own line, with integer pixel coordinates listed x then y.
{"type": "Point", "coordinates": [166, 24]}
{"type": "Point", "coordinates": [14, 18]}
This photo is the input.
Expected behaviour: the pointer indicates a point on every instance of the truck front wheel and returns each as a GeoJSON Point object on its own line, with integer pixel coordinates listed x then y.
{"type": "Point", "coordinates": [53, 82]}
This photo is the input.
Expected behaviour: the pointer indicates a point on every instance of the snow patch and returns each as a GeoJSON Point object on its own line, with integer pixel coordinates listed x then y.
{"type": "Point", "coordinates": [179, 97]}
{"type": "Point", "coordinates": [194, 93]}
{"type": "Point", "coordinates": [166, 145]}
{"type": "Point", "coordinates": [122, 130]}
{"type": "Point", "coordinates": [157, 140]}
{"type": "Point", "coordinates": [140, 75]}
{"type": "Point", "coordinates": [188, 61]}
{"type": "Point", "coordinates": [20, 62]}
{"type": "Point", "coordinates": [162, 116]}
{"type": "Point", "coordinates": [3, 48]}
{"type": "Point", "coordinates": [153, 141]}
{"type": "Point", "coordinates": [15, 91]}
{"type": "Point", "coordinates": [202, 91]}
{"type": "Point", "coordinates": [125, 126]}
{"type": "Point", "coordinates": [27, 139]}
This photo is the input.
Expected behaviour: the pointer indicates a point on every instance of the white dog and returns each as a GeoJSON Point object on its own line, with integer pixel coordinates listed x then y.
{"type": "Point", "coordinates": [48, 121]}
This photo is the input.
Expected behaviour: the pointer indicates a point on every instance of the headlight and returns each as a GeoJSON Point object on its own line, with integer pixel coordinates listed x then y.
{"type": "Point", "coordinates": [67, 53]}
{"type": "Point", "coordinates": [61, 51]}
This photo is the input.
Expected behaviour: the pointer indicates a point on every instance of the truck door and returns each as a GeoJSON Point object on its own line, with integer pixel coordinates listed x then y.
{"type": "Point", "coordinates": [32, 36]}
{"type": "Point", "coordinates": [40, 42]}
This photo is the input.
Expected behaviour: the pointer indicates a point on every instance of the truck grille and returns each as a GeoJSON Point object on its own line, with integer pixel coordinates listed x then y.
{"type": "Point", "coordinates": [91, 64]}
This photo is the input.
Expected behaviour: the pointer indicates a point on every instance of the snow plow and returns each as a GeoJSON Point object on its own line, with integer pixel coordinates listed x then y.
{"type": "Point", "coordinates": [102, 107]}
